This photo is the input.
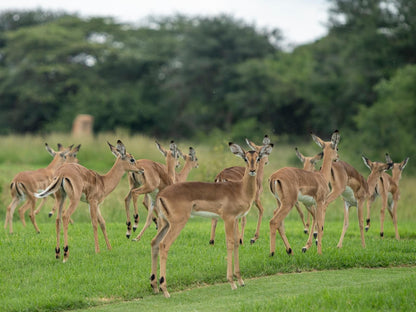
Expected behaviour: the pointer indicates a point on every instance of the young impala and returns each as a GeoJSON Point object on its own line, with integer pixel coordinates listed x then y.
{"type": "Point", "coordinates": [388, 188]}
{"type": "Point", "coordinates": [236, 173]}
{"type": "Point", "coordinates": [79, 183]}
{"type": "Point", "coordinates": [227, 200]}
{"type": "Point", "coordinates": [26, 183]}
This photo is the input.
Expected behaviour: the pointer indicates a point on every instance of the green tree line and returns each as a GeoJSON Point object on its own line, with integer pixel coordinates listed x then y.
{"type": "Point", "coordinates": [192, 77]}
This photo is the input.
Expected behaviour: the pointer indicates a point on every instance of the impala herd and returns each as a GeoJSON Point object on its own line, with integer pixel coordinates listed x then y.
{"type": "Point", "coordinates": [171, 201]}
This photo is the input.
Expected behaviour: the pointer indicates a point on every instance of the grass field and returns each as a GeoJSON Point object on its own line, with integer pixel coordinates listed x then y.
{"type": "Point", "coordinates": [32, 279]}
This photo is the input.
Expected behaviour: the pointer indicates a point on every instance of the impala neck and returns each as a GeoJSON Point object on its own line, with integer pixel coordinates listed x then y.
{"type": "Point", "coordinates": [113, 177]}
{"type": "Point", "coordinates": [326, 168]}
{"type": "Point", "coordinates": [396, 176]}
{"type": "Point", "coordinates": [260, 170]}
{"type": "Point", "coordinates": [249, 184]}
{"type": "Point", "coordinates": [183, 174]}
{"type": "Point", "coordinates": [373, 179]}
{"type": "Point", "coordinates": [55, 163]}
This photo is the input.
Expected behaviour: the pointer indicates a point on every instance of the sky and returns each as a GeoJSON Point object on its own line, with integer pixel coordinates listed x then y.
{"type": "Point", "coordinates": [301, 21]}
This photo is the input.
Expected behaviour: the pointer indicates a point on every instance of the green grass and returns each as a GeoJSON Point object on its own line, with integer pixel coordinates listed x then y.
{"type": "Point", "coordinates": [31, 279]}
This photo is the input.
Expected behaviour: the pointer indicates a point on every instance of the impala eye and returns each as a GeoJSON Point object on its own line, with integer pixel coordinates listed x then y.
{"type": "Point", "coordinates": [132, 160]}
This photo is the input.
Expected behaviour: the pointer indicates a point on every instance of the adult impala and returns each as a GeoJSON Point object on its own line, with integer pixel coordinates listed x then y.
{"type": "Point", "coordinates": [227, 200]}
{"type": "Point", "coordinates": [79, 183]}
{"type": "Point", "coordinates": [26, 183]}
{"type": "Point", "coordinates": [236, 173]}
{"type": "Point", "coordinates": [388, 189]}
{"type": "Point", "coordinates": [290, 185]}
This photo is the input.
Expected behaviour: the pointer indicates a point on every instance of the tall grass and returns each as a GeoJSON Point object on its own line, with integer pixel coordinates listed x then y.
{"type": "Point", "coordinates": [32, 279]}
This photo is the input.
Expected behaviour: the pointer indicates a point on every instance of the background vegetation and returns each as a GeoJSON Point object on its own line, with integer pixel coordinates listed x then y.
{"type": "Point", "coordinates": [190, 77]}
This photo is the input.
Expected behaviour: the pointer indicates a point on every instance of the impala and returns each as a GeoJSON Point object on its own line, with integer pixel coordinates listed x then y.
{"type": "Point", "coordinates": [26, 183]}
{"type": "Point", "coordinates": [388, 188]}
{"type": "Point", "coordinates": [236, 173]}
{"type": "Point", "coordinates": [309, 164]}
{"type": "Point", "coordinates": [152, 177]}
{"type": "Point", "coordinates": [227, 200]}
{"type": "Point", "coordinates": [79, 183]}
{"type": "Point", "coordinates": [290, 185]}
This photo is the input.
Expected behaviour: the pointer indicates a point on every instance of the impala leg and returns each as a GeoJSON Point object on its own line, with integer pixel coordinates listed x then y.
{"type": "Point", "coordinates": [163, 228]}
{"type": "Point", "coordinates": [164, 246]}
{"type": "Point", "coordinates": [276, 223]}
{"type": "Point", "coordinates": [101, 221]}
{"type": "Point", "coordinates": [346, 223]}
{"type": "Point", "coordinates": [360, 208]}
{"type": "Point", "coordinates": [311, 233]}
{"type": "Point", "coordinates": [22, 211]}
{"type": "Point", "coordinates": [261, 211]}
{"type": "Point", "coordinates": [237, 273]}
{"type": "Point", "coordinates": [9, 214]}
{"type": "Point", "coordinates": [302, 218]}
{"type": "Point", "coordinates": [42, 203]}
{"type": "Point", "coordinates": [59, 202]}
{"type": "Point", "coordinates": [32, 204]}
{"type": "Point", "coordinates": [213, 227]}
{"type": "Point", "coordinates": [231, 236]}
{"type": "Point", "coordinates": [370, 201]}
{"type": "Point", "coordinates": [149, 219]}
{"type": "Point", "coordinates": [382, 215]}
{"type": "Point", "coordinates": [394, 216]}
{"type": "Point", "coordinates": [127, 200]}
{"type": "Point", "coordinates": [66, 217]}
{"type": "Point", "coordinates": [243, 226]}
{"type": "Point", "coordinates": [94, 221]}
{"type": "Point", "coordinates": [320, 218]}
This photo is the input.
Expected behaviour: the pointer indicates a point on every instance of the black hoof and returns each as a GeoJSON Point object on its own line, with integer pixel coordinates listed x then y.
{"type": "Point", "coordinates": [252, 241]}
{"type": "Point", "coordinates": [381, 234]}
{"type": "Point", "coordinates": [315, 235]}
{"type": "Point", "coordinates": [50, 214]}
{"type": "Point", "coordinates": [272, 254]}
{"type": "Point", "coordinates": [304, 249]}
{"type": "Point", "coordinates": [366, 229]}
{"type": "Point", "coordinates": [128, 236]}
{"type": "Point", "coordinates": [305, 231]}
{"type": "Point", "coordinates": [134, 229]}
{"type": "Point", "coordinates": [289, 251]}
{"type": "Point", "coordinates": [241, 241]}
{"type": "Point", "coordinates": [211, 242]}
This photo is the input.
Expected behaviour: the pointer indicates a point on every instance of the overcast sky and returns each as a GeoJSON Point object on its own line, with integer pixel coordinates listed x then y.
{"type": "Point", "coordinates": [301, 21]}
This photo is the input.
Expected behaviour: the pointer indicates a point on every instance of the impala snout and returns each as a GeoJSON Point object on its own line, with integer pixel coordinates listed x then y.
{"type": "Point", "coordinates": [252, 173]}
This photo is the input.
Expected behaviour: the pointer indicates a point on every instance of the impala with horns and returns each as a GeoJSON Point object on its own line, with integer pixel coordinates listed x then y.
{"type": "Point", "coordinates": [77, 183]}
{"type": "Point", "coordinates": [227, 200]}
{"type": "Point", "coordinates": [26, 183]}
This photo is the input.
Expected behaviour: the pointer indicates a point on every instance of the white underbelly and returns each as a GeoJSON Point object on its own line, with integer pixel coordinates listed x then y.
{"type": "Point", "coordinates": [205, 214]}
{"type": "Point", "coordinates": [348, 196]}
{"type": "Point", "coordinates": [307, 200]}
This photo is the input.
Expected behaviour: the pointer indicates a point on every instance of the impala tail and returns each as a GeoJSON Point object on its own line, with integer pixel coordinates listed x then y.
{"type": "Point", "coordinates": [51, 189]}
{"type": "Point", "coordinates": [17, 189]}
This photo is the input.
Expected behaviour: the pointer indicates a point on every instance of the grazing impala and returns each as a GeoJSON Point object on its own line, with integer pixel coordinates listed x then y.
{"type": "Point", "coordinates": [236, 173]}
{"type": "Point", "coordinates": [26, 183]}
{"type": "Point", "coordinates": [152, 178]}
{"type": "Point", "coordinates": [79, 183]}
{"type": "Point", "coordinates": [290, 185]}
{"type": "Point", "coordinates": [228, 200]}
{"type": "Point", "coordinates": [388, 188]}
{"type": "Point", "coordinates": [190, 162]}
{"type": "Point", "coordinates": [308, 165]}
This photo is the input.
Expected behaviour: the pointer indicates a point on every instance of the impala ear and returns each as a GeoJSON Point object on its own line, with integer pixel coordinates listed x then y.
{"type": "Point", "coordinates": [50, 150]}
{"type": "Point", "coordinates": [318, 140]}
{"type": "Point", "coordinates": [300, 156]}
{"type": "Point", "coordinates": [121, 148]}
{"type": "Point", "coordinates": [367, 162]}
{"type": "Point", "coordinates": [160, 148]}
{"type": "Point", "coordinates": [60, 147]}
{"type": "Point", "coordinates": [192, 153]}
{"type": "Point", "coordinates": [335, 139]}
{"type": "Point", "coordinates": [388, 158]}
{"type": "Point", "coordinates": [266, 150]}
{"type": "Point", "coordinates": [237, 150]}
{"type": "Point", "coordinates": [75, 150]}
{"type": "Point", "coordinates": [403, 163]}
{"type": "Point", "coordinates": [113, 149]}
{"type": "Point", "coordinates": [266, 140]}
